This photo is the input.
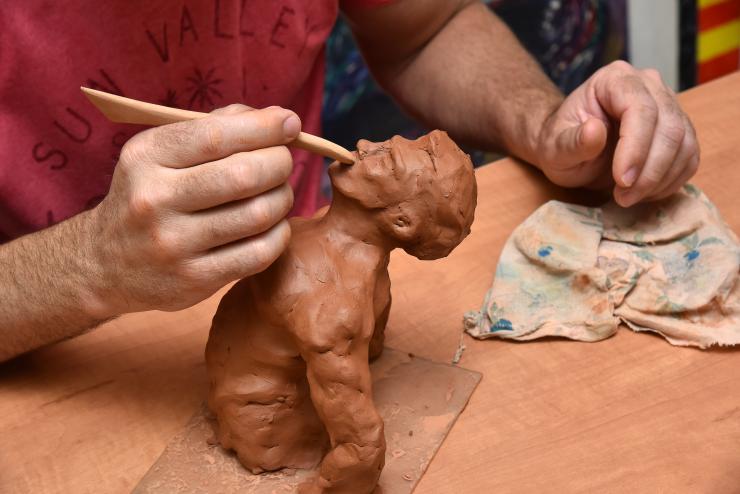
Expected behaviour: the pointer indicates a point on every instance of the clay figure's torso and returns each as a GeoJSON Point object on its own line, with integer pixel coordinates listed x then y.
{"type": "Point", "coordinates": [258, 374]}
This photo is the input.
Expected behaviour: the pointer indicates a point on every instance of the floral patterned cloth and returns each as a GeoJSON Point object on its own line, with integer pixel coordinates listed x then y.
{"type": "Point", "coordinates": [576, 272]}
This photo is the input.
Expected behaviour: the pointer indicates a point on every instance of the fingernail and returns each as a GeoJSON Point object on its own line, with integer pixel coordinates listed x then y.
{"type": "Point", "coordinates": [291, 127]}
{"type": "Point", "coordinates": [628, 198]}
{"type": "Point", "coordinates": [629, 176]}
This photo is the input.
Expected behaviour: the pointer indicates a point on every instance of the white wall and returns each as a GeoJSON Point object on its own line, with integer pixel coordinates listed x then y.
{"type": "Point", "coordinates": [653, 36]}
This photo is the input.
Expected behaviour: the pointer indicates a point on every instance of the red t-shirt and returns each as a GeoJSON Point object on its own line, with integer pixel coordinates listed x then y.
{"type": "Point", "coordinates": [57, 152]}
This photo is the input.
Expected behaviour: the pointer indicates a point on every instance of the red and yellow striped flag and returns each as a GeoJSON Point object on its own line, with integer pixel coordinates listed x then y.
{"type": "Point", "coordinates": [718, 42]}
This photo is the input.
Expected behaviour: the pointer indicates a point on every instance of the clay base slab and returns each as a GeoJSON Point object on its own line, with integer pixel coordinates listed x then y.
{"type": "Point", "coordinates": [418, 399]}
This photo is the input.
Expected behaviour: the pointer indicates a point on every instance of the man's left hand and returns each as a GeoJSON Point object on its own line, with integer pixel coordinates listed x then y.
{"type": "Point", "coordinates": [622, 127]}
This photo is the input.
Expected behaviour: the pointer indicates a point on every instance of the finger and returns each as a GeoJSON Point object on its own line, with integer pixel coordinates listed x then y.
{"type": "Point", "coordinates": [624, 96]}
{"type": "Point", "coordinates": [664, 149]}
{"type": "Point", "coordinates": [232, 109]}
{"type": "Point", "coordinates": [576, 148]}
{"type": "Point", "coordinates": [685, 164]}
{"type": "Point", "coordinates": [582, 142]}
{"type": "Point", "coordinates": [688, 171]}
{"type": "Point", "coordinates": [237, 220]}
{"type": "Point", "coordinates": [679, 164]}
{"type": "Point", "coordinates": [245, 257]}
{"type": "Point", "coordinates": [574, 153]}
{"type": "Point", "coordinates": [238, 176]}
{"type": "Point", "coordinates": [604, 180]}
{"type": "Point", "coordinates": [184, 144]}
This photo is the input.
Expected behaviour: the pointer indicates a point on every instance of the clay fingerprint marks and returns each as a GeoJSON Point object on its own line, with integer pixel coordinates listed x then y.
{"type": "Point", "coordinates": [191, 463]}
{"type": "Point", "coordinates": [419, 401]}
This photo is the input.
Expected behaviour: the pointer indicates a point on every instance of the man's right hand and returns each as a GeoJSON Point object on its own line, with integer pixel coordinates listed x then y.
{"type": "Point", "coordinates": [193, 206]}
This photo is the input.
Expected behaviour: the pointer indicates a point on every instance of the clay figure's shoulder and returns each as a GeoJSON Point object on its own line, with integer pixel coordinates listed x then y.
{"type": "Point", "coordinates": [305, 266]}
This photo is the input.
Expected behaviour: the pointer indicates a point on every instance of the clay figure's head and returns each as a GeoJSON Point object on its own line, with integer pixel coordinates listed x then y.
{"type": "Point", "coordinates": [420, 194]}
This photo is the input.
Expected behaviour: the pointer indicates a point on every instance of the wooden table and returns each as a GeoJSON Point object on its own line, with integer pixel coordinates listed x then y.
{"type": "Point", "coordinates": [630, 414]}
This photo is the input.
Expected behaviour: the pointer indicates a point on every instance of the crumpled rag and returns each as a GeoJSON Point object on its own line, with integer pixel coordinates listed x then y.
{"type": "Point", "coordinates": [576, 272]}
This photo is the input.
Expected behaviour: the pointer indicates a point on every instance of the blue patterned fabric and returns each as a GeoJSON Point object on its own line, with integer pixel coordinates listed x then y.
{"type": "Point", "coordinates": [672, 267]}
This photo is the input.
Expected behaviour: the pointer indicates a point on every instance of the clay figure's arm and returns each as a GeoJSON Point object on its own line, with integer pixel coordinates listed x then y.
{"type": "Point", "coordinates": [339, 377]}
{"type": "Point", "coordinates": [456, 66]}
{"type": "Point", "coordinates": [192, 206]}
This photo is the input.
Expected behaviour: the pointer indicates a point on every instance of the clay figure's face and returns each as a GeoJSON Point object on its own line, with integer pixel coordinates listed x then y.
{"type": "Point", "coordinates": [421, 194]}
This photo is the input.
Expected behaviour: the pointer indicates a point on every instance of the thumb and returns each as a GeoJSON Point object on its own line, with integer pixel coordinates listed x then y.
{"type": "Point", "coordinates": [231, 109]}
{"type": "Point", "coordinates": [582, 142]}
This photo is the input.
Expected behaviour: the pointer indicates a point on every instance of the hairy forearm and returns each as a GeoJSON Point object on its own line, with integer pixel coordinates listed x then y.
{"type": "Point", "coordinates": [474, 79]}
{"type": "Point", "coordinates": [48, 281]}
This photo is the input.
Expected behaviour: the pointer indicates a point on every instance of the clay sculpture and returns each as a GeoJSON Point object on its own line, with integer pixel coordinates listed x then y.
{"type": "Point", "coordinates": [288, 353]}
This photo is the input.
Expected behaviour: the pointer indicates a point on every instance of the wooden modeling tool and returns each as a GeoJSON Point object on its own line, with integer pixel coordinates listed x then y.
{"type": "Point", "coordinates": [126, 110]}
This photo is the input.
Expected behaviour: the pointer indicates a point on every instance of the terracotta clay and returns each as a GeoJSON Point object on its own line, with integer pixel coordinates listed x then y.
{"type": "Point", "coordinates": [289, 348]}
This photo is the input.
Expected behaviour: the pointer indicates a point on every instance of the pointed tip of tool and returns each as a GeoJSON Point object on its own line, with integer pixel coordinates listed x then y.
{"type": "Point", "coordinates": [346, 157]}
{"type": "Point", "coordinates": [89, 93]}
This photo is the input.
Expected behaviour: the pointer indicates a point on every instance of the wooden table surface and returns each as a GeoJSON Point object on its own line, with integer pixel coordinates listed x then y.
{"type": "Point", "coordinates": [629, 414]}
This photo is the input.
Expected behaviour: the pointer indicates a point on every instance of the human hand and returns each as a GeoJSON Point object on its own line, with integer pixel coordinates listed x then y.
{"type": "Point", "coordinates": [622, 127]}
{"type": "Point", "coordinates": [192, 206]}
